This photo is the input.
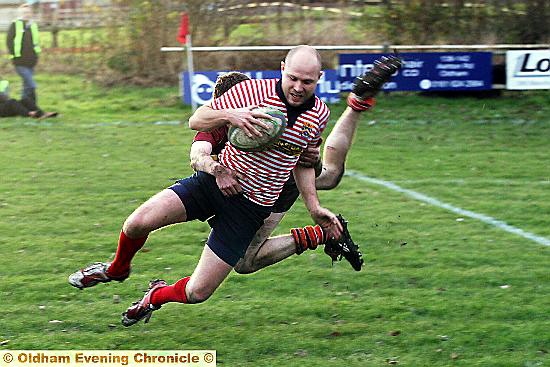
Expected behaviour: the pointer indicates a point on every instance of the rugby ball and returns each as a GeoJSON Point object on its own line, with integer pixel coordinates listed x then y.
{"type": "Point", "coordinates": [277, 124]}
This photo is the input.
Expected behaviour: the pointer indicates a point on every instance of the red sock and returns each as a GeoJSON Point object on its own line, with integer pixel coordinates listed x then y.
{"type": "Point", "coordinates": [360, 105]}
{"type": "Point", "coordinates": [127, 248]}
{"type": "Point", "coordinates": [171, 293]}
{"type": "Point", "coordinates": [308, 237]}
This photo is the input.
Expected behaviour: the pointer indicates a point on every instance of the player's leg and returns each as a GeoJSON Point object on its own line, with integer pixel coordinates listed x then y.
{"type": "Point", "coordinates": [275, 249]}
{"type": "Point", "coordinates": [187, 199]}
{"type": "Point", "coordinates": [264, 251]}
{"type": "Point", "coordinates": [233, 227]}
{"type": "Point", "coordinates": [336, 148]}
{"type": "Point", "coordinates": [206, 278]}
{"type": "Point", "coordinates": [162, 209]}
{"type": "Point", "coordinates": [361, 99]}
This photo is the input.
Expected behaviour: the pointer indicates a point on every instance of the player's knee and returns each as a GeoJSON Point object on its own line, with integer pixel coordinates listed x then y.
{"type": "Point", "coordinates": [136, 226]}
{"type": "Point", "coordinates": [330, 178]}
{"type": "Point", "coordinates": [244, 267]}
{"type": "Point", "coordinates": [198, 295]}
{"type": "Point", "coordinates": [333, 182]}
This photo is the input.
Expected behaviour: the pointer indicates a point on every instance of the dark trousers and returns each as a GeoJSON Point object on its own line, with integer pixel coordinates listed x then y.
{"type": "Point", "coordinates": [12, 107]}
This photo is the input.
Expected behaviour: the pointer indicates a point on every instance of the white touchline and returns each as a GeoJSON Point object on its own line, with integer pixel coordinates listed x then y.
{"type": "Point", "coordinates": [467, 213]}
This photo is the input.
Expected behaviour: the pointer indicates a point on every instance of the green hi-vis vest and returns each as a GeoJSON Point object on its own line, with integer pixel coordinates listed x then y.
{"type": "Point", "coordinates": [4, 85]}
{"type": "Point", "coordinates": [18, 39]}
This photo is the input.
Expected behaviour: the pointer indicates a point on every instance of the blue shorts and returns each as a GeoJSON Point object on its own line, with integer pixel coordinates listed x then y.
{"type": "Point", "coordinates": [287, 197]}
{"type": "Point", "coordinates": [234, 220]}
{"type": "Point", "coordinates": [290, 193]}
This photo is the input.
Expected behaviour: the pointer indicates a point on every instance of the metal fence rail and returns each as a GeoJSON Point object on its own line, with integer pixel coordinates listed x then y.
{"type": "Point", "coordinates": [385, 47]}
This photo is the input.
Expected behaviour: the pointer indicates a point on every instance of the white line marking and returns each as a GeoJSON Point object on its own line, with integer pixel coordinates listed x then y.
{"type": "Point", "coordinates": [467, 213]}
{"type": "Point", "coordinates": [475, 181]}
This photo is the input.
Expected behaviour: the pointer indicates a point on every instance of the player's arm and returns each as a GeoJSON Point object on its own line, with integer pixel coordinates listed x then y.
{"type": "Point", "coordinates": [201, 160]}
{"type": "Point", "coordinates": [207, 118]}
{"type": "Point", "coordinates": [201, 157]}
{"type": "Point", "coordinates": [311, 156]}
{"type": "Point", "coordinates": [305, 180]}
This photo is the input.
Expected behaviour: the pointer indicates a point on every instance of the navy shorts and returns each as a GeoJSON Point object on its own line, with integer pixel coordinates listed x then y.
{"type": "Point", "coordinates": [287, 197]}
{"type": "Point", "coordinates": [234, 220]}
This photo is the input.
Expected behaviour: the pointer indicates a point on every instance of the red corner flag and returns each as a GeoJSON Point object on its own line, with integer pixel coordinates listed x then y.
{"type": "Point", "coordinates": [184, 28]}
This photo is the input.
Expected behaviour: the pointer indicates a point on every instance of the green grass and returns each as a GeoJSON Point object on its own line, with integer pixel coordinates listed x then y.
{"type": "Point", "coordinates": [67, 184]}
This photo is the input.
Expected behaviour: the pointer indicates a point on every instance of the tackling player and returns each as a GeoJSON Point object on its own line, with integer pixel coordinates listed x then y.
{"type": "Point", "coordinates": [264, 251]}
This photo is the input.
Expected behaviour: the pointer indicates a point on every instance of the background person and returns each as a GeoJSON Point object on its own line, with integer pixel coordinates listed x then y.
{"type": "Point", "coordinates": [26, 107]}
{"type": "Point", "coordinates": [23, 41]}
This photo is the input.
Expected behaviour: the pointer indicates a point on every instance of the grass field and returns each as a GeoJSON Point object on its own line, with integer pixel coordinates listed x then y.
{"type": "Point", "coordinates": [462, 291]}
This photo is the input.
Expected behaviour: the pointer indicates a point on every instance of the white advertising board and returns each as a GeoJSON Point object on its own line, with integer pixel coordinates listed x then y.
{"type": "Point", "coordinates": [528, 69]}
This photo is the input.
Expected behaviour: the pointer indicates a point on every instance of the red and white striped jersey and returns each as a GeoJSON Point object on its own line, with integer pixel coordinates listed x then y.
{"type": "Point", "coordinates": [264, 173]}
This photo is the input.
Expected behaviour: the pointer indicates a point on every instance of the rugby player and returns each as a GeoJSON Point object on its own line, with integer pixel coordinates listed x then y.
{"type": "Point", "coordinates": [234, 219]}
{"type": "Point", "coordinates": [264, 251]}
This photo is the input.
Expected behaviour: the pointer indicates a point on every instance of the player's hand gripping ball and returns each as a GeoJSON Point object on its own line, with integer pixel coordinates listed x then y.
{"type": "Point", "coordinates": [238, 138]}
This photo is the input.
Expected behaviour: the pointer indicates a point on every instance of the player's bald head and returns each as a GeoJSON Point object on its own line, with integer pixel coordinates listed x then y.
{"type": "Point", "coordinates": [300, 73]}
{"type": "Point", "coordinates": [303, 54]}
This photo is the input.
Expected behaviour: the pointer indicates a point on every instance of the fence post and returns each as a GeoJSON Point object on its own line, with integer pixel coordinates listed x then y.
{"type": "Point", "coordinates": [190, 70]}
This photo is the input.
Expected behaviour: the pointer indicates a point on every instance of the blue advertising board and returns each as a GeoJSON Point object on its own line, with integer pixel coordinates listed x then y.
{"type": "Point", "coordinates": [328, 88]}
{"type": "Point", "coordinates": [425, 71]}
{"type": "Point", "coordinates": [422, 71]}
